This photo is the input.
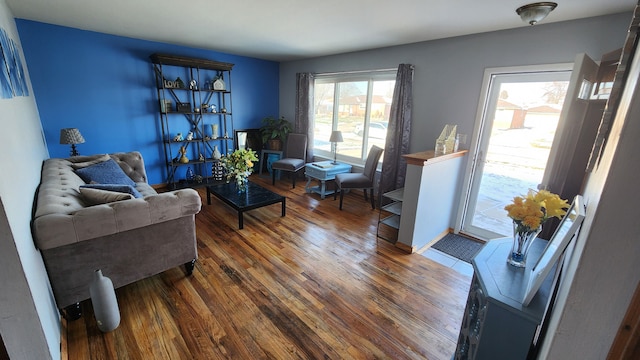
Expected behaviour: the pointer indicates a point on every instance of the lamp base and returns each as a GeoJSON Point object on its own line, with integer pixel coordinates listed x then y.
{"type": "Point", "coordinates": [74, 151]}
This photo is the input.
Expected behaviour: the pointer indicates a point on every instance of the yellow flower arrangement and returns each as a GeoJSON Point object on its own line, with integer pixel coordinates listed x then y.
{"type": "Point", "coordinates": [239, 165]}
{"type": "Point", "coordinates": [532, 210]}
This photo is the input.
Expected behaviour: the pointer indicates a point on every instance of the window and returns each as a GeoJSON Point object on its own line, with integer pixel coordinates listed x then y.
{"type": "Point", "coordinates": [356, 104]}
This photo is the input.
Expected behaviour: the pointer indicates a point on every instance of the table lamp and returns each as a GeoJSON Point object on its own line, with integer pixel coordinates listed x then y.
{"type": "Point", "coordinates": [71, 136]}
{"type": "Point", "coordinates": [336, 137]}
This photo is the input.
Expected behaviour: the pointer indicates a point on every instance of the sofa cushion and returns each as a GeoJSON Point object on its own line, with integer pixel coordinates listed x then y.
{"type": "Point", "coordinates": [91, 161]}
{"type": "Point", "coordinates": [107, 172]}
{"type": "Point", "coordinates": [126, 189]}
{"type": "Point", "coordinates": [98, 196]}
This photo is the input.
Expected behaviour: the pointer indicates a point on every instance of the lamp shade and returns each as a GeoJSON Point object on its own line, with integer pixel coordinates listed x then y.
{"type": "Point", "coordinates": [71, 136]}
{"type": "Point", "coordinates": [336, 136]}
{"type": "Point", "coordinates": [533, 13]}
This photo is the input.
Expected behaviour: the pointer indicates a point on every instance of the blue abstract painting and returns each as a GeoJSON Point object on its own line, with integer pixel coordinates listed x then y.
{"type": "Point", "coordinates": [12, 75]}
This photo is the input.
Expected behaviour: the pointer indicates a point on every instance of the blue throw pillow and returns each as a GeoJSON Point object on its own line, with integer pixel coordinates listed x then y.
{"type": "Point", "coordinates": [127, 189]}
{"type": "Point", "coordinates": [107, 172]}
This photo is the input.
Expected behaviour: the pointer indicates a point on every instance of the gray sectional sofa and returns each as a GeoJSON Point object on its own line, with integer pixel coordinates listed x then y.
{"type": "Point", "coordinates": [81, 228]}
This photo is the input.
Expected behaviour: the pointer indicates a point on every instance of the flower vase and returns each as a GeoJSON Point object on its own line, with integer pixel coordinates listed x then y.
{"type": "Point", "coordinates": [216, 153]}
{"type": "Point", "coordinates": [241, 183]}
{"type": "Point", "coordinates": [522, 239]}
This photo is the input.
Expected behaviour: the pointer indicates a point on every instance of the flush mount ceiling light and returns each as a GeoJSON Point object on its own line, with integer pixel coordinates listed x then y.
{"type": "Point", "coordinates": [533, 13]}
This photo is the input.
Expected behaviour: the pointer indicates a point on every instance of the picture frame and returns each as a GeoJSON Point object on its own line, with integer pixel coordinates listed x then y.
{"type": "Point", "coordinates": [566, 231]}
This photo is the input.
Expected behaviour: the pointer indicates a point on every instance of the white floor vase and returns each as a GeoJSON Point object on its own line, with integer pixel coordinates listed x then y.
{"type": "Point", "coordinates": [105, 304]}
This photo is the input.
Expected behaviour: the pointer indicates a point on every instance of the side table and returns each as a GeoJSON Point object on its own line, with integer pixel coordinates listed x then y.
{"type": "Point", "coordinates": [323, 171]}
{"type": "Point", "coordinates": [263, 158]}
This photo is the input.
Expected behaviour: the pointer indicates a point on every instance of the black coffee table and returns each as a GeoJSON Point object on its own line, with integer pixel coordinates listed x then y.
{"type": "Point", "coordinates": [254, 197]}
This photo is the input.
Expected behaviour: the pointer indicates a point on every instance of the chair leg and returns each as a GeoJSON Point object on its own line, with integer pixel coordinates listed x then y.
{"type": "Point", "coordinates": [341, 196]}
{"type": "Point", "coordinates": [335, 190]}
{"type": "Point", "coordinates": [364, 191]}
{"type": "Point", "coordinates": [273, 177]}
{"type": "Point", "coordinates": [373, 203]}
{"type": "Point", "coordinates": [293, 179]}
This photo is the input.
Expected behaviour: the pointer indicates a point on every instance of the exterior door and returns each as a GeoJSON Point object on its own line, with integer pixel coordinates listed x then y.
{"type": "Point", "coordinates": [511, 143]}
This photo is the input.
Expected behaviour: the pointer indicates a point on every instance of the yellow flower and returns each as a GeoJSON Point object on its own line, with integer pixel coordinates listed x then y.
{"type": "Point", "coordinates": [535, 208]}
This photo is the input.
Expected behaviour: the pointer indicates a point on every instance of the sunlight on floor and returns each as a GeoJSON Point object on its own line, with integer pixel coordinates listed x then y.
{"type": "Point", "coordinates": [449, 261]}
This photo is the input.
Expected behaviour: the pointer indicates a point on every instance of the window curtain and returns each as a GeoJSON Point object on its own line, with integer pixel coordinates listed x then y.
{"type": "Point", "coordinates": [304, 108]}
{"type": "Point", "coordinates": [397, 144]}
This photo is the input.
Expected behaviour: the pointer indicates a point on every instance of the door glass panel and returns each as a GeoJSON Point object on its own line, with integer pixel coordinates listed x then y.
{"type": "Point", "coordinates": [519, 126]}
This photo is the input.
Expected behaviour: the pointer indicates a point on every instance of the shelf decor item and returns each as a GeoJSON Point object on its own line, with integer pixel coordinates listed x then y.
{"type": "Point", "coordinates": [216, 153]}
{"type": "Point", "coordinates": [218, 84]}
{"type": "Point", "coordinates": [105, 304]}
{"type": "Point", "coordinates": [238, 165]}
{"type": "Point", "coordinates": [183, 155]}
{"type": "Point", "coordinates": [528, 214]}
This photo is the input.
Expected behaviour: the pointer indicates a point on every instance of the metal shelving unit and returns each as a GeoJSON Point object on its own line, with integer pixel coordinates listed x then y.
{"type": "Point", "coordinates": [189, 110]}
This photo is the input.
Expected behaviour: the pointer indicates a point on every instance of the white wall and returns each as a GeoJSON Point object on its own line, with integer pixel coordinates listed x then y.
{"type": "Point", "coordinates": [603, 272]}
{"type": "Point", "coordinates": [29, 320]}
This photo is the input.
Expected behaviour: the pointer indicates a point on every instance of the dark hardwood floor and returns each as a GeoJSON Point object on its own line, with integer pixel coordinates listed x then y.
{"type": "Point", "coordinates": [315, 284]}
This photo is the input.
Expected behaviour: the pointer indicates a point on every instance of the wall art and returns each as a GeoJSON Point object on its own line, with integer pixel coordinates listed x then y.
{"type": "Point", "coordinates": [12, 76]}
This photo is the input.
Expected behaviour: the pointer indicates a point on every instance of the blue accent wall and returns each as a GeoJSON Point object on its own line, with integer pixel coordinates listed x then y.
{"type": "Point", "coordinates": [104, 85]}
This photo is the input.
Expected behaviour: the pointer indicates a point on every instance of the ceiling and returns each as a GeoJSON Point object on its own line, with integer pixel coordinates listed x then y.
{"type": "Point", "coordinates": [282, 30]}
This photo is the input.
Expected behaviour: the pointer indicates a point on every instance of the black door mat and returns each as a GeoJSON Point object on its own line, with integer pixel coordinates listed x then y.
{"type": "Point", "coordinates": [458, 246]}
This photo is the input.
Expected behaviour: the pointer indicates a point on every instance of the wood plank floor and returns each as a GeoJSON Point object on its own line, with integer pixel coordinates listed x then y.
{"type": "Point", "coordinates": [315, 284]}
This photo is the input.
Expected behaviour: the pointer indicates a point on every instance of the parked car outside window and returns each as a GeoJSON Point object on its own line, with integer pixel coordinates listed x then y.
{"type": "Point", "coordinates": [376, 130]}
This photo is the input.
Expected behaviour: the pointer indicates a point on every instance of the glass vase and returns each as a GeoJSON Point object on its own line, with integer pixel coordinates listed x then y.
{"type": "Point", "coordinates": [522, 239]}
{"type": "Point", "coordinates": [241, 183]}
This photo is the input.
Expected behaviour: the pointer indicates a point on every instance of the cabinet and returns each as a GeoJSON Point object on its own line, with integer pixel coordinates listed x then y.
{"type": "Point", "coordinates": [196, 117]}
{"type": "Point", "coordinates": [495, 324]}
{"type": "Point", "coordinates": [389, 216]}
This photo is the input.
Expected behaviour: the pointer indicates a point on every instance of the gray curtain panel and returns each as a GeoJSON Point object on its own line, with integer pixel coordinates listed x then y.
{"type": "Point", "coordinates": [304, 108]}
{"type": "Point", "coordinates": [397, 144]}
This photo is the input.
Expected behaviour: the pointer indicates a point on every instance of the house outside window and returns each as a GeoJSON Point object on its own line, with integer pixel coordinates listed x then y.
{"type": "Point", "coordinates": [356, 104]}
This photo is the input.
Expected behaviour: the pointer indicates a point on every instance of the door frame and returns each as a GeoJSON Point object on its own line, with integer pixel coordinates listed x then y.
{"type": "Point", "coordinates": [478, 128]}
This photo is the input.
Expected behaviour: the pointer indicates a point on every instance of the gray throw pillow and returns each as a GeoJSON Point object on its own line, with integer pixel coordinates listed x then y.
{"type": "Point", "coordinates": [127, 189]}
{"type": "Point", "coordinates": [97, 196]}
{"type": "Point", "coordinates": [84, 164]}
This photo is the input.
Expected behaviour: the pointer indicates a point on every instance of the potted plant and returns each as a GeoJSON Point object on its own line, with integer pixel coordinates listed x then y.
{"type": "Point", "coordinates": [274, 131]}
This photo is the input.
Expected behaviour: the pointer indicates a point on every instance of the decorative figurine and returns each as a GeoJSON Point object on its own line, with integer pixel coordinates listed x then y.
{"type": "Point", "coordinates": [183, 158]}
{"type": "Point", "coordinates": [190, 136]}
{"type": "Point", "coordinates": [178, 137]}
{"type": "Point", "coordinates": [218, 84]}
{"type": "Point", "coordinates": [213, 109]}
{"type": "Point", "coordinates": [193, 85]}
{"type": "Point", "coordinates": [223, 110]}
{"type": "Point", "coordinates": [201, 157]}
